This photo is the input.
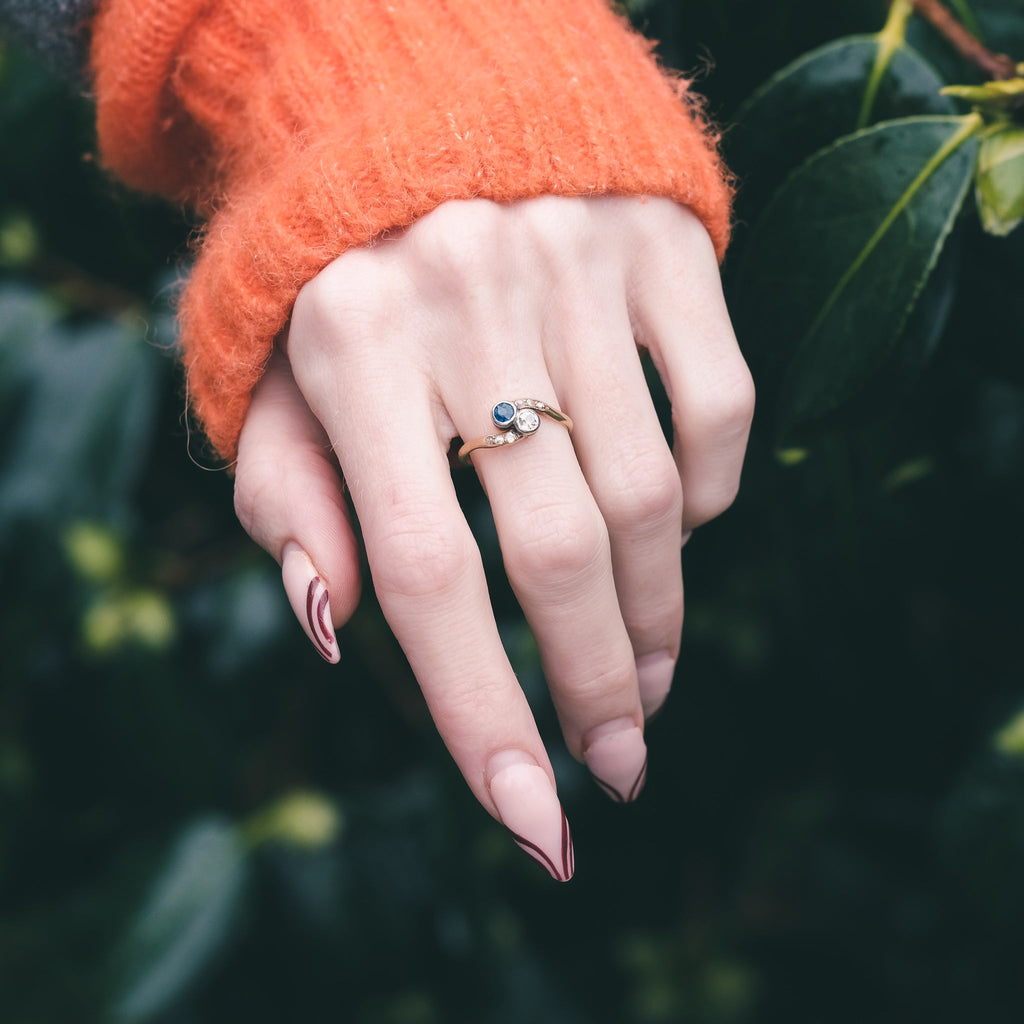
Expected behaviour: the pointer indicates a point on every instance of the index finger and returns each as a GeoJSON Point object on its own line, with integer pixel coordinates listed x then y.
{"type": "Point", "coordinates": [430, 582]}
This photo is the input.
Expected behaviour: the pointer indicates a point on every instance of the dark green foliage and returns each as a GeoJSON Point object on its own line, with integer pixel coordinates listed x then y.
{"type": "Point", "coordinates": [200, 822]}
{"type": "Point", "coordinates": [838, 258]}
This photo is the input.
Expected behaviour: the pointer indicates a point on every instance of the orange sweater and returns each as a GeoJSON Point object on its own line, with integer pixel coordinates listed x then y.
{"type": "Point", "coordinates": [302, 128]}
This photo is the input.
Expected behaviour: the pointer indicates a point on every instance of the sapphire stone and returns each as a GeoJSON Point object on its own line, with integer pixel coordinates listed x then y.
{"type": "Point", "coordinates": [503, 414]}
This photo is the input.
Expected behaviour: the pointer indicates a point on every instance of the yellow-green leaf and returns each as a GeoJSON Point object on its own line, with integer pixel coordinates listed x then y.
{"type": "Point", "coordinates": [999, 179]}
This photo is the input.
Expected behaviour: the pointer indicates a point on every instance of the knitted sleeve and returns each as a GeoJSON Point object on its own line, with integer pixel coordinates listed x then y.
{"type": "Point", "coordinates": [302, 128]}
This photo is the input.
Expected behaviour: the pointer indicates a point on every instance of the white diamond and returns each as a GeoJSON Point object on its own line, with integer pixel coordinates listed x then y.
{"type": "Point", "coordinates": [527, 421]}
{"type": "Point", "coordinates": [511, 436]}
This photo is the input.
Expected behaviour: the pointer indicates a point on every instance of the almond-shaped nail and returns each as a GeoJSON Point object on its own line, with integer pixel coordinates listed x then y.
{"type": "Point", "coordinates": [307, 594]}
{"type": "Point", "coordinates": [529, 809]}
{"type": "Point", "coordinates": [616, 755]}
{"type": "Point", "coordinates": [654, 674]}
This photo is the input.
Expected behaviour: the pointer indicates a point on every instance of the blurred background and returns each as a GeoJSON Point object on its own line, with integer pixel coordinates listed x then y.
{"type": "Point", "coordinates": [200, 821]}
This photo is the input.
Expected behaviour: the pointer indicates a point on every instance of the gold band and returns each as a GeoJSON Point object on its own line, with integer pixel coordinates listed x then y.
{"type": "Point", "coordinates": [514, 420]}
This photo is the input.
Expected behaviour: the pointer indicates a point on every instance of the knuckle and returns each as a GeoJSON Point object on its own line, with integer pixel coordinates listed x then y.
{"type": "Point", "coordinates": [555, 542]}
{"type": "Point", "coordinates": [596, 680]}
{"type": "Point", "coordinates": [724, 425]}
{"type": "Point", "coordinates": [648, 493]}
{"type": "Point", "coordinates": [458, 238]}
{"type": "Point", "coordinates": [561, 230]}
{"type": "Point", "coordinates": [346, 300]}
{"type": "Point", "coordinates": [704, 505]}
{"type": "Point", "coordinates": [470, 700]}
{"type": "Point", "coordinates": [710, 499]}
{"type": "Point", "coordinates": [729, 408]}
{"type": "Point", "coordinates": [264, 490]}
{"type": "Point", "coordinates": [419, 554]}
{"type": "Point", "coordinates": [256, 485]}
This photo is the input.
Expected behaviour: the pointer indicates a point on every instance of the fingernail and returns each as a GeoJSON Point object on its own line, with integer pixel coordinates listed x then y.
{"type": "Point", "coordinates": [654, 673]}
{"type": "Point", "coordinates": [307, 594]}
{"type": "Point", "coordinates": [616, 755]}
{"type": "Point", "coordinates": [529, 809]}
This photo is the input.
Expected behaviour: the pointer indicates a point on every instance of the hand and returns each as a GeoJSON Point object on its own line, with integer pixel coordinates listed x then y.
{"type": "Point", "coordinates": [395, 349]}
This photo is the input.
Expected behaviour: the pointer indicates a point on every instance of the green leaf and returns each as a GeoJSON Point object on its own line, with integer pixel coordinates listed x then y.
{"type": "Point", "coordinates": [999, 180]}
{"type": "Point", "coordinates": [834, 266]}
{"type": "Point", "coordinates": [186, 920]}
{"type": "Point", "coordinates": [818, 98]}
{"type": "Point", "coordinates": [85, 396]}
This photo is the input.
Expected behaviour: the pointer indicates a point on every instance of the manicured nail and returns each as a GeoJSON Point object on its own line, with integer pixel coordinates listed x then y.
{"type": "Point", "coordinates": [654, 673]}
{"type": "Point", "coordinates": [616, 755]}
{"type": "Point", "coordinates": [307, 594]}
{"type": "Point", "coordinates": [529, 809]}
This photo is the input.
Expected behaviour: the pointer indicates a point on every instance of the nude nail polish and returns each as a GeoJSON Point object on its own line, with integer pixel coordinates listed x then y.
{"type": "Point", "coordinates": [309, 598]}
{"type": "Point", "coordinates": [529, 809]}
{"type": "Point", "coordinates": [616, 755]}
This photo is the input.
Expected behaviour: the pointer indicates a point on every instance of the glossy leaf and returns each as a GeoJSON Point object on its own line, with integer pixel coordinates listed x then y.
{"type": "Point", "coordinates": [818, 98]}
{"type": "Point", "coordinates": [186, 920]}
{"type": "Point", "coordinates": [834, 266]}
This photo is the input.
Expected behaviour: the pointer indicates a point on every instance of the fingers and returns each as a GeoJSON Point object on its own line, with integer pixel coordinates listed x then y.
{"type": "Point", "coordinates": [557, 555]}
{"type": "Point", "coordinates": [431, 586]}
{"type": "Point", "coordinates": [414, 341]}
{"type": "Point", "coordinates": [632, 475]}
{"type": "Point", "coordinates": [288, 499]}
{"type": "Point", "coordinates": [428, 575]}
{"type": "Point", "coordinates": [679, 314]}
{"type": "Point", "coordinates": [554, 538]}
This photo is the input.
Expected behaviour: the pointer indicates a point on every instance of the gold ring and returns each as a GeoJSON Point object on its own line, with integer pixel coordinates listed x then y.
{"type": "Point", "coordinates": [514, 420]}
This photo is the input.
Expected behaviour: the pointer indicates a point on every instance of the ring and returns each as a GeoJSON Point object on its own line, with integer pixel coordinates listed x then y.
{"type": "Point", "coordinates": [514, 420]}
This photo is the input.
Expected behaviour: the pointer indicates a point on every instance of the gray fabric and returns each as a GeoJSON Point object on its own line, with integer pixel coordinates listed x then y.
{"type": "Point", "coordinates": [53, 29]}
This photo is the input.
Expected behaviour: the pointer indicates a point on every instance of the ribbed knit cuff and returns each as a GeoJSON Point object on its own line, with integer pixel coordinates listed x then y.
{"type": "Point", "coordinates": [302, 128]}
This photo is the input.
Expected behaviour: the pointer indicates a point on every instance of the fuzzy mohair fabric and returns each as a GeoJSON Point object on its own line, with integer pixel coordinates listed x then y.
{"type": "Point", "coordinates": [302, 128]}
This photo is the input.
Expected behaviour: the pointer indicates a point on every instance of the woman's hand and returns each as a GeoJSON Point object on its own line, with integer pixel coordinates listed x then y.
{"type": "Point", "coordinates": [397, 348]}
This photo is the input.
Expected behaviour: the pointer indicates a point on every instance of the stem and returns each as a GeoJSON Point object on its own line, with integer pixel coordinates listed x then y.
{"type": "Point", "coordinates": [890, 39]}
{"type": "Point", "coordinates": [993, 65]}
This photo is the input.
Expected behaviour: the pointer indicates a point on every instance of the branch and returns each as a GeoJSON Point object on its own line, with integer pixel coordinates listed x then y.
{"type": "Point", "coordinates": [996, 66]}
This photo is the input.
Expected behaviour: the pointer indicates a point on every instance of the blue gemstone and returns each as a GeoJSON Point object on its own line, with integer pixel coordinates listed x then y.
{"type": "Point", "coordinates": [503, 414]}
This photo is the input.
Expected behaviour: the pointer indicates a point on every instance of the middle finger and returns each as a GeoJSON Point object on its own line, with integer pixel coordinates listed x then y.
{"type": "Point", "coordinates": [557, 555]}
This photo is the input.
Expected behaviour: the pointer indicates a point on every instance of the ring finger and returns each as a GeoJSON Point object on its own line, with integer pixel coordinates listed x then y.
{"type": "Point", "coordinates": [557, 556]}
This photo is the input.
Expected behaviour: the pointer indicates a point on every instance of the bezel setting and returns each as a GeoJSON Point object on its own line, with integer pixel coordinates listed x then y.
{"type": "Point", "coordinates": [527, 421]}
{"type": "Point", "coordinates": [503, 415]}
